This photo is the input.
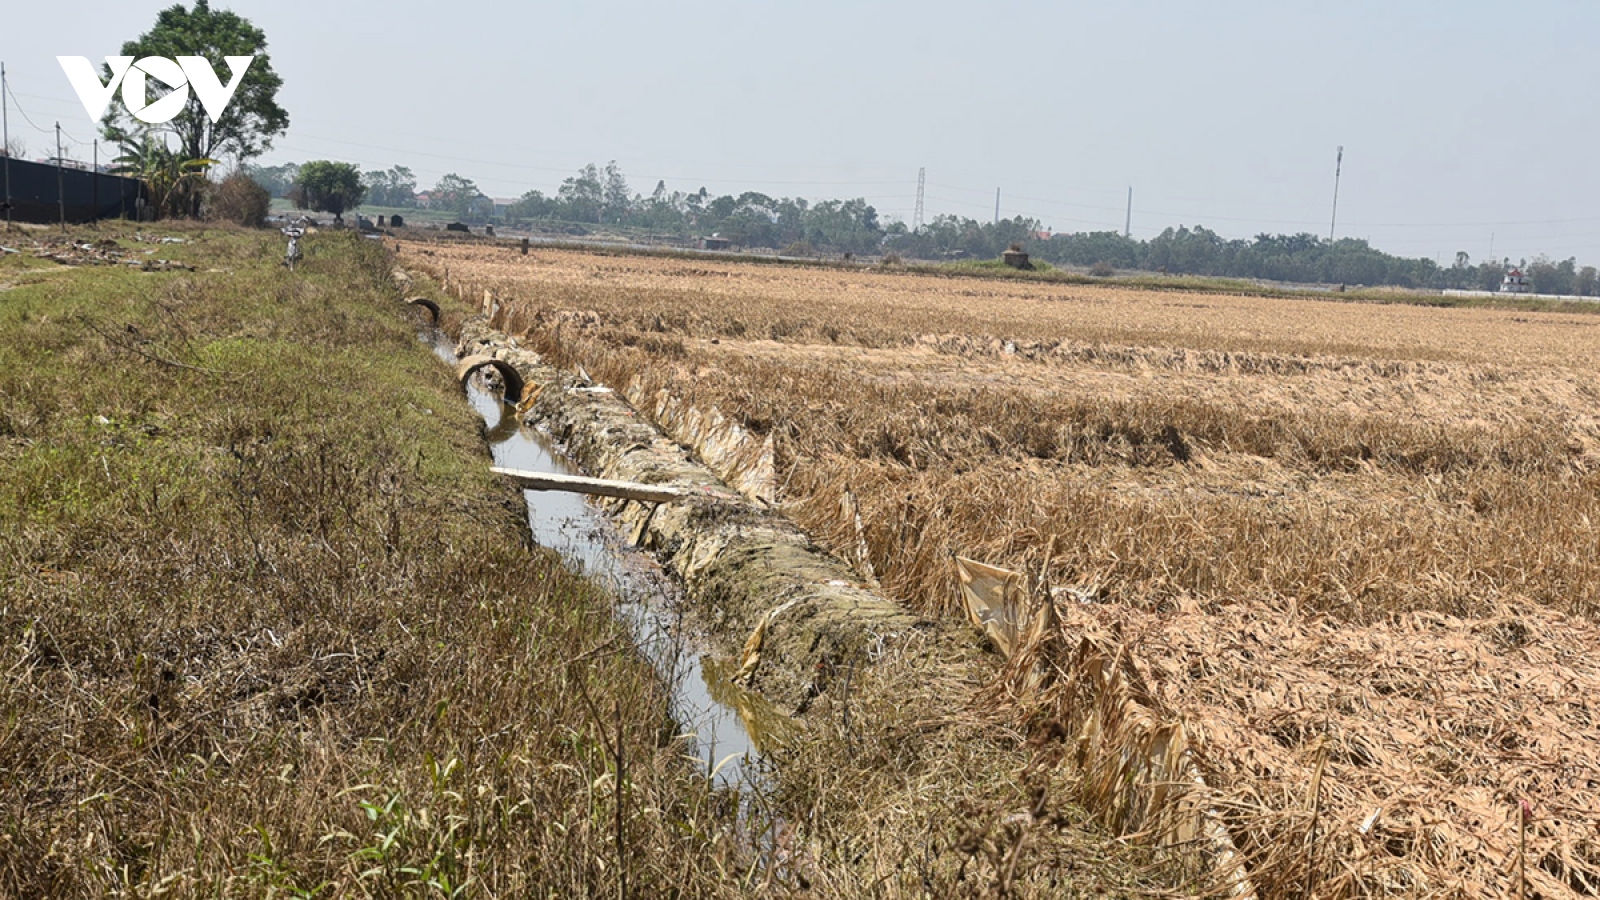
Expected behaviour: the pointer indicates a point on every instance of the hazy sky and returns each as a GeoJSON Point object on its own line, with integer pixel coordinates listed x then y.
{"type": "Point", "coordinates": [1462, 121]}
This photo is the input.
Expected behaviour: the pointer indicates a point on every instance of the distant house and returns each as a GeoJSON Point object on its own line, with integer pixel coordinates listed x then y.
{"type": "Point", "coordinates": [715, 242]}
{"type": "Point", "coordinates": [424, 200]}
{"type": "Point", "coordinates": [1515, 283]}
{"type": "Point", "coordinates": [502, 206]}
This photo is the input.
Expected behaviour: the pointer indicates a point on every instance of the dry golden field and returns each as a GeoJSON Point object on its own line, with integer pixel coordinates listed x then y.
{"type": "Point", "coordinates": [1352, 547]}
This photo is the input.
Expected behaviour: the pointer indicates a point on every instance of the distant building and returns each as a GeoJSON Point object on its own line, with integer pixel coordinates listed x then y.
{"type": "Point", "coordinates": [715, 242]}
{"type": "Point", "coordinates": [424, 200]}
{"type": "Point", "coordinates": [502, 206]}
{"type": "Point", "coordinates": [1515, 283]}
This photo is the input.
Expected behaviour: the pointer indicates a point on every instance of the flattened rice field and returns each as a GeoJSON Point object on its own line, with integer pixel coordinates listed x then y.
{"type": "Point", "coordinates": [1351, 548]}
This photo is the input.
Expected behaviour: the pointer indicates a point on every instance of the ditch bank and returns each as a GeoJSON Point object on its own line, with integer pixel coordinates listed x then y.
{"type": "Point", "coordinates": [812, 621]}
{"type": "Point", "coordinates": [796, 619]}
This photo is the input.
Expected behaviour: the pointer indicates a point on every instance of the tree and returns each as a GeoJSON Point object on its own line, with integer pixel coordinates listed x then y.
{"type": "Point", "coordinates": [615, 193]}
{"type": "Point", "coordinates": [253, 117]}
{"type": "Point", "coordinates": [456, 194]}
{"type": "Point", "coordinates": [395, 187]}
{"type": "Point", "coordinates": [532, 205]}
{"type": "Point", "coordinates": [1588, 282]}
{"type": "Point", "coordinates": [1548, 277]}
{"type": "Point", "coordinates": [329, 186]}
{"type": "Point", "coordinates": [175, 185]}
{"type": "Point", "coordinates": [582, 197]}
{"type": "Point", "coordinates": [276, 179]}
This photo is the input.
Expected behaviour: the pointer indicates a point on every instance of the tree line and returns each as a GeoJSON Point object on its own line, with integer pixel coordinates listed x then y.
{"type": "Point", "coordinates": [179, 183]}
{"type": "Point", "coordinates": [1306, 258]}
{"type": "Point", "coordinates": [601, 196]}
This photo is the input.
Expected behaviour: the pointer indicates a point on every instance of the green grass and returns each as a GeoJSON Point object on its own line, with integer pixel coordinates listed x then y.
{"type": "Point", "coordinates": [991, 266]}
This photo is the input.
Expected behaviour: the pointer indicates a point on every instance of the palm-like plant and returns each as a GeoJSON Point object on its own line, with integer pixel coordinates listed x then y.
{"type": "Point", "coordinates": [174, 183]}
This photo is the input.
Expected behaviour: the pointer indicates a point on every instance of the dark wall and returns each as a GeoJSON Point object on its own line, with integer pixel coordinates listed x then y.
{"type": "Point", "coordinates": [89, 196]}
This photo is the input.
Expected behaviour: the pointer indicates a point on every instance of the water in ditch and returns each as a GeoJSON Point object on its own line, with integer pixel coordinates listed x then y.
{"type": "Point", "coordinates": [647, 599]}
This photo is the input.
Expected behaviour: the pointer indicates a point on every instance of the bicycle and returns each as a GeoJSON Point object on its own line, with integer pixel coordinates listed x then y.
{"type": "Point", "coordinates": [293, 255]}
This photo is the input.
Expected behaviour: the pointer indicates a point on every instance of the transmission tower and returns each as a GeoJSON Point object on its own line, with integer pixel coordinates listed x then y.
{"type": "Point", "coordinates": [916, 217]}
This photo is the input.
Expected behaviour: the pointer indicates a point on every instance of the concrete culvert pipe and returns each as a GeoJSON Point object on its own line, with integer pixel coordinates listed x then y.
{"type": "Point", "coordinates": [508, 374]}
{"type": "Point", "coordinates": [429, 305]}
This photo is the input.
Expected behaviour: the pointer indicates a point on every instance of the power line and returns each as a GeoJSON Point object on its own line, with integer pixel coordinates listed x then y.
{"type": "Point", "coordinates": [25, 112]}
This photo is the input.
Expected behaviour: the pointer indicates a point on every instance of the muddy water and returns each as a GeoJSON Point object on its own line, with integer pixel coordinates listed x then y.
{"type": "Point", "coordinates": [647, 599]}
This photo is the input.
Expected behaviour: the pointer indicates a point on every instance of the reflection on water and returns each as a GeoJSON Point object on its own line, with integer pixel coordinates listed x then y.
{"type": "Point", "coordinates": [704, 703]}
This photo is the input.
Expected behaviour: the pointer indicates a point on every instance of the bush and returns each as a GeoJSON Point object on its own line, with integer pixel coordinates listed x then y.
{"type": "Point", "coordinates": [240, 200]}
{"type": "Point", "coordinates": [1102, 269]}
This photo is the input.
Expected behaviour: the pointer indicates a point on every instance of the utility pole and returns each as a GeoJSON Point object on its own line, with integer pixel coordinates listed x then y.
{"type": "Point", "coordinates": [997, 206]}
{"type": "Point", "coordinates": [1127, 225]}
{"type": "Point", "coordinates": [5, 136]}
{"type": "Point", "coordinates": [61, 190]}
{"type": "Point", "coordinates": [1338, 167]}
{"type": "Point", "coordinates": [916, 217]}
{"type": "Point", "coordinates": [94, 176]}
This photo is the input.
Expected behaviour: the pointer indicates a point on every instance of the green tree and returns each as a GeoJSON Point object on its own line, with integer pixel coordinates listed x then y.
{"type": "Point", "coordinates": [276, 179]}
{"type": "Point", "coordinates": [1588, 282]}
{"type": "Point", "coordinates": [615, 195]}
{"type": "Point", "coordinates": [1548, 277]}
{"type": "Point", "coordinates": [395, 187]}
{"type": "Point", "coordinates": [253, 117]}
{"type": "Point", "coordinates": [532, 205]}
{"type": "Point", "coordinates": [175, 185]}
{"type": "Point", "coordinates": [329, 186]}
{"type": "Point", "coordinates": [455, 193]}
{"type": "Point", "coordinates": [582, 197]}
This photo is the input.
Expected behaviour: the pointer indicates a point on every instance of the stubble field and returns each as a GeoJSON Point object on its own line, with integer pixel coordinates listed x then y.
{"type": "Point", "coordinates": [1350, 547]}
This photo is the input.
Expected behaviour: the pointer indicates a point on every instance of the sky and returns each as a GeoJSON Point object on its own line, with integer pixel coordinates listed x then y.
{"type": "Point", "coordinates": [1466, 125]}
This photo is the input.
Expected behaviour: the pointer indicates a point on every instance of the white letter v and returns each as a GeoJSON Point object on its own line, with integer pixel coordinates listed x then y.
{"type": "Point", "coordinates": [213, 96]}
{"type": "Point", "coordinates": [95, 96]}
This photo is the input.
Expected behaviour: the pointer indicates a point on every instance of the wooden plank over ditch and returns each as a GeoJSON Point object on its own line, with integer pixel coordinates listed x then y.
{"type": "Point", "coordinates": [600, 487]}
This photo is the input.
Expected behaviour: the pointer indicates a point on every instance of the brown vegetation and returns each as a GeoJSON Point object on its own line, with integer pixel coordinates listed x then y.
{"type": "Point", "coordinates": [238, 199]}
{"type": "Point", "coordinates": [1313, 525]}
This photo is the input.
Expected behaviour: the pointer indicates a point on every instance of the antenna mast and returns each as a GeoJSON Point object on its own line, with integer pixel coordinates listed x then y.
{"type": "Point", "coordinates": [1338, 167]}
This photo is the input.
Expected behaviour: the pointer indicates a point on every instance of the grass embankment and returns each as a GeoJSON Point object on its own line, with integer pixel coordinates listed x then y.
{"type": "Point", "coordinates": [268, 627]}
